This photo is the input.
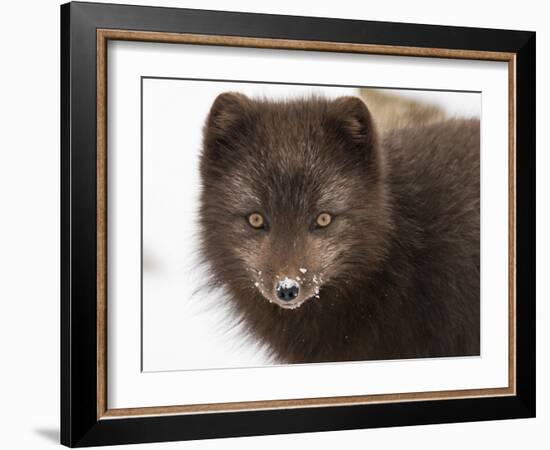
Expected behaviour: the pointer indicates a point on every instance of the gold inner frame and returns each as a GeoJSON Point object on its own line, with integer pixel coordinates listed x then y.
{"type": "Point", "coordinates": [103, 36]}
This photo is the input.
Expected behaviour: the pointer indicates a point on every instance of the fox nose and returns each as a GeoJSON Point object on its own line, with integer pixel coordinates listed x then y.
{"type": "Point", "coordinates": [287, 289]}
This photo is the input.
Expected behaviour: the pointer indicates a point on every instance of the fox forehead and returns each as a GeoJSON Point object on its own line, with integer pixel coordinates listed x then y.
{"type": "Point", "coordinates": [296, 191]}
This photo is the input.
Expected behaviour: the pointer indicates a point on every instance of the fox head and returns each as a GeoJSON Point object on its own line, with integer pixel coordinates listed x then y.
{"type": "Point", "coordinates": [293, 203]}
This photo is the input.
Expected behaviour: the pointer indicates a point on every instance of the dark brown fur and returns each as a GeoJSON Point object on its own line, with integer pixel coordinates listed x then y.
{"type": "Point", "coordinates": [397, 269]}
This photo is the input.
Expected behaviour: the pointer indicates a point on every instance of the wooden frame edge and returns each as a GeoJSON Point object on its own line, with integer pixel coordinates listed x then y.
{"type": "Point", "coordinates": [290, 44]}
{"type": "Point", "coordinates": [103, 35]}
{"type": "Point", "coordinates": [304, 403]}
{"type": "Point", "coordinates": [512, 200]}
{"type": "Point", "coordinates": [101, 225]}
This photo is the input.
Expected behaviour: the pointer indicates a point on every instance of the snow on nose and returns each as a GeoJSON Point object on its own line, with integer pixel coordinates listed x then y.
{"type": "Point", "coordinates": [287, 289]}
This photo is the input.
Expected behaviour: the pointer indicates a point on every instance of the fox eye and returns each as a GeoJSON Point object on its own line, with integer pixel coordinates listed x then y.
{"type": "Point", "coordinates": [323, 220]}
{"type": "Point", "coordinates": [256, 220]}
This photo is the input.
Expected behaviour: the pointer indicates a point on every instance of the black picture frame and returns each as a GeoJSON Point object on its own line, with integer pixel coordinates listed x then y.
{"type": "Point", "coordinates": [80, 425]}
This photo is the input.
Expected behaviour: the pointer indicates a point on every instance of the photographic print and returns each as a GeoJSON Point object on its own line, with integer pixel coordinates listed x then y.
{"type": "Point", "coordinates": [284, 220]}
{"type": "Point", "coordinates": [308, 224]}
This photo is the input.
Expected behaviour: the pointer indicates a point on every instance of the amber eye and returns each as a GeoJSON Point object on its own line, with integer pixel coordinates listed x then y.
{"type": "Point", "coordinates": [256, 220]}
{"type": "Point", "coordinates": [323, 220]}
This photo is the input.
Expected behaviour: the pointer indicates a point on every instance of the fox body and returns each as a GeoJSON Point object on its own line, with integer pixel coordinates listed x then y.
{"type": "Point", "coordinates": [335, 243]}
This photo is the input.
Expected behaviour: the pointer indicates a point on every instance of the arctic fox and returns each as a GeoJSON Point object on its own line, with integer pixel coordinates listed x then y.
{"type": "Point", "coordinates": [337, 243]}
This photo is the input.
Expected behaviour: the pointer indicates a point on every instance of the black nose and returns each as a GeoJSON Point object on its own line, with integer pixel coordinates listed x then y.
{"type": "Point", "coordinates": [287, 289]}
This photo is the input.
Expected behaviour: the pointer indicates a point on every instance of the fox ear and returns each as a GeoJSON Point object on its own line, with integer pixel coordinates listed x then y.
{"type": "Point", "coordinates": [226, 124]}
{"type": "Point", "coordinates": [227, 112]}
{"type": "Point", "coordinates": [351, 120]}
